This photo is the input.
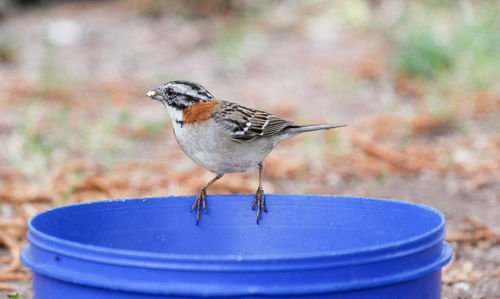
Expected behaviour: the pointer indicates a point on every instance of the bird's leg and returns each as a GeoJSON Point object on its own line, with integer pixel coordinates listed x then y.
{"type": "Point", "coordinates": [259, 195]}
{"type": "Point", "coordinates": [200, 198]}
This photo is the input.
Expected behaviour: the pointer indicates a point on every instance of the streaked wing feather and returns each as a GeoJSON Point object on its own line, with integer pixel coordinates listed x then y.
{"type": "Point", "coordinates": [246, 124]}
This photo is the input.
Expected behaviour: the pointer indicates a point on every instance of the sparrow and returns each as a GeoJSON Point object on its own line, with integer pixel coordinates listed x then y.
{"type": "Point", "coordinates": [224, 137]}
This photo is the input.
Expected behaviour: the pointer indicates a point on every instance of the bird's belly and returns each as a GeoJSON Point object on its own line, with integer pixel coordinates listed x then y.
{"type": "Point", "coordinates": [217, 152]}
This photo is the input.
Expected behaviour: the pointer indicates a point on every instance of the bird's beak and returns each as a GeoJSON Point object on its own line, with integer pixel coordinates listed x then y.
{"type": "Point", "coordinates": [155, 95]}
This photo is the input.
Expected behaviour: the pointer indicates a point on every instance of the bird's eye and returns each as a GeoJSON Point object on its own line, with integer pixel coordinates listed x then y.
{"type": "Point", "coordinates": [170, 92]}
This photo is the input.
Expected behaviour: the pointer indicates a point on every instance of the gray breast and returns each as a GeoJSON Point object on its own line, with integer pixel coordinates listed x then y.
{"type": "Point", "coordinates": [214, 149]}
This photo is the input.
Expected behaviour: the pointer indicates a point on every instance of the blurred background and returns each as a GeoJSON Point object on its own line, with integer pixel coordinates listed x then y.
{"type": "Point", "coordinates": [418, 82]}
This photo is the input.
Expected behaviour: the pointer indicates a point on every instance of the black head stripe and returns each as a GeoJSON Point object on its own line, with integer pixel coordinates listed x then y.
{"type": "Point", "coordinates": [192, 85]}
{"type": "Point", "coordinates": [192, 90]}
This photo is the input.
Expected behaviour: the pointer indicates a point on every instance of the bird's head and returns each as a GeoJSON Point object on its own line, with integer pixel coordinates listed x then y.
{"type": "Point", "coordinates": [179, 95]}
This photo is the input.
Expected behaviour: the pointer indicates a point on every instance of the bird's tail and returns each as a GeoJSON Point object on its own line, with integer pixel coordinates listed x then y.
{"type": "Point", "coordinates": [308, 128]}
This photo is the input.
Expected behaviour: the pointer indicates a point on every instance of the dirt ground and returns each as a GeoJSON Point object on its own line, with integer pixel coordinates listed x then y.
{"type": "Point", "coordinates": [75, 124]}
{"type": "Point", "coordinates": [467, 275]}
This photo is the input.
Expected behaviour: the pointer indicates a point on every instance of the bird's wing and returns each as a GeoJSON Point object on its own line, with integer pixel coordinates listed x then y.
{"type": "Point", "coordinates": [246, 124]}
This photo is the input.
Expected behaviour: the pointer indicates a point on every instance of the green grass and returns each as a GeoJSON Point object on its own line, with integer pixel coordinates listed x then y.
{"type": "Point", "coordinates": [451, 48]}
{"type": "Point", "coordinates": [76, 177]}
{"type": "Point", "coordinates": [455, 43]}
{"type": "Point", "coordinates": [421, 55]}
{"type": "Point", "coordinates": [13, 295]}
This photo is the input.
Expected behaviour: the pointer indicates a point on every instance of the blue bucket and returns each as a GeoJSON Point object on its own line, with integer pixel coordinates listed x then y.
{"type": "Point", "coordinates": [307, 246]}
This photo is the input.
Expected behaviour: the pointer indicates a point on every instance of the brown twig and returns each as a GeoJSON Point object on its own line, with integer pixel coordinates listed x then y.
{"type": "Point", "coordinates": [5, 259]}
{"type": "Point", "coordinates": [15, 252]}
{"type": "Point", "coordinates": [395, 157]}
{"type": "Point", "coordinates": [21, 194]}
{"type": "Point", "coordinates": [14, 276]}
{"type": "Point", "coordinates": [8, 287]}
{"type": "Point", "coordinates": [479, 231]}
{"type": "Point", "coordinates": [12, 222]}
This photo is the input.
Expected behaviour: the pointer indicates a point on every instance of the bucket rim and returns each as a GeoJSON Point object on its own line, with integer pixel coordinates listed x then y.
{"type": "Point", "coordinates": [44, 240]}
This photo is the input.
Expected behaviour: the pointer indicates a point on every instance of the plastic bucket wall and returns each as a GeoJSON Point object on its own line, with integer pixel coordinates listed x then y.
{"type": "Point", "coordinates": [306, 246]}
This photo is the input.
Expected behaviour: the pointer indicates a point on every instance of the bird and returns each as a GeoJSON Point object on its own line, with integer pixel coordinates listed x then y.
{"type": "Point", "coordinates": [224, 137]}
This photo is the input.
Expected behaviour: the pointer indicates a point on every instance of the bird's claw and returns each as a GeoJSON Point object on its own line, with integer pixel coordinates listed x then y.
{"type": "Point", "coordinates": [200, 200]}
{"type": "Point", "coordinates": [259, 200]}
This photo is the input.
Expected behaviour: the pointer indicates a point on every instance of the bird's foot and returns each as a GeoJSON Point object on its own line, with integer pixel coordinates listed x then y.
{"type": "Point", "coordinates": [200, 200]}
{"type": "Point", "coordinates": [259, 200]}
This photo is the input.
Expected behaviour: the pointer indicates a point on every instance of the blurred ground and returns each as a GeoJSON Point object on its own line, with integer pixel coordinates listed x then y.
{"type": "Point", "coordinates": [417, 82]}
